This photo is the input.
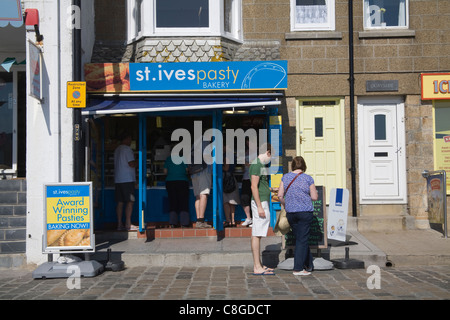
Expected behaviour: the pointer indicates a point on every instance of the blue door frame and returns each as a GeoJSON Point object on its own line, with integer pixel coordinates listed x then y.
{"type": "Point", "coordinates": [216, 177]}
{"type": "Point", "coordinates": [142, 166]}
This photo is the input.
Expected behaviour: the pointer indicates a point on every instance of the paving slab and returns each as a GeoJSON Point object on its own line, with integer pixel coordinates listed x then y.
{"type": "Point", "coordinates": [183, 284]}
{"type": "Point", "coordinates": [412, 247]}
{"type": "Point", "coordinates": [211, 251]}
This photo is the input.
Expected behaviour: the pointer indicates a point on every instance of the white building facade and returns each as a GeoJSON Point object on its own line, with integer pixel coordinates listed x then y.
{"type": "Point", "coordinates": [49, 122]}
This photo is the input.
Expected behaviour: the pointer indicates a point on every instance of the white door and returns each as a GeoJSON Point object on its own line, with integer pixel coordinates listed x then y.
{"type": "Point", "coordinates": [381, 151]}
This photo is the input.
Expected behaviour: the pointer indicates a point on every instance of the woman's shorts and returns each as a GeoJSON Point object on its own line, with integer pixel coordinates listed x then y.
{"type": "Point", "coordinates": [260, 225]}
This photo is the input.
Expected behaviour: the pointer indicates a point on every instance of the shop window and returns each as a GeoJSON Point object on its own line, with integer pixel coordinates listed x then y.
{"type": "Point", "coordinates": [161, 18]}
{"type": "Point", "coordinates": [13, 123]}
{"type": "Point", "coordinates": [312, 15]}
{"type": "Point", "coordinates": [385, 14]}
{"type": "Point", "coordinates": [441, 141]}
{"type": "Point", "coordinates": [6, 120]}
{"type": "Point", "coordinates": [138, 16]}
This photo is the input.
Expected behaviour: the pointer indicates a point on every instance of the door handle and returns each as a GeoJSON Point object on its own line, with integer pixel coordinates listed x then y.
{"type": "Point", "coordinates": [302, 139]}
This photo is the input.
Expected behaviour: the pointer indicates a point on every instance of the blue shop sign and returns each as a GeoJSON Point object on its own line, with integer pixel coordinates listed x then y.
{"type": "Point", "coordinates": [215, 76]}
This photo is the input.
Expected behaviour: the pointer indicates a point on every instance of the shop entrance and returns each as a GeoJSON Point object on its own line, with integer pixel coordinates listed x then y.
{"type": "Point", "coordinates": [13, 123]}
{"type": "Point", "coordinates": [151, 141]}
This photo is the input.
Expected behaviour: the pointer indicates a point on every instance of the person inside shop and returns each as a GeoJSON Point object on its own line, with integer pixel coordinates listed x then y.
{"type": "Point", "coordinates": [260, 206]}
{"type": "Point", "coordinates": [246, 190]}
{"type": "Point", "coordinates": [201, 176]}
{"type": "Point", "coordinates": [298, 202]}
{"type": "Point", "coordinates": [230, 191]}
{"type": "Point", "coordinates": [177, 186]}
{"type": "Point", "coordinates": [125, 181]}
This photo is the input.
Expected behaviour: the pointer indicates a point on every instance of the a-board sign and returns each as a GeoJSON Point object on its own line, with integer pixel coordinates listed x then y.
{"type": "Point", "coordinates": [436, 197]}
{"type": "Point", "coordinates": [68, 218]}
{"type": "Point", "coordinates": [317, 235]}
{"type": "Point", "coordinates": [337, 214]}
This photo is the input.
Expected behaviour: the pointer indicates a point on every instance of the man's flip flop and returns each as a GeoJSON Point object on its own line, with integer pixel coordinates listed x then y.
{"type": "Point", "coordinates": [264, 273]}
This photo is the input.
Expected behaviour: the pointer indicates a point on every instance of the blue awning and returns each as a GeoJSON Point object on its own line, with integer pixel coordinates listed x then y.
{"type": "Point", "coordinates": [135, 105]}
{"type": "Point", "coordinates": [11, 13]}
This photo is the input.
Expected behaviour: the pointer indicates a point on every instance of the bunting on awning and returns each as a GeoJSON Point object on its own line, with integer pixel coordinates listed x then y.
{"type": "Point", "coordinates": [11, 13]}
{"type": "Point", "coordinates": [9, 62]}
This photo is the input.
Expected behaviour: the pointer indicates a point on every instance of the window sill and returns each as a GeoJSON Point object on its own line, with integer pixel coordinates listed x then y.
{"type": "Point", "coordinates": [322, 35]}
{"type": "Point", "coordinates": [387, 34]}
{"type": "Point", "coordinates": [190, 36]}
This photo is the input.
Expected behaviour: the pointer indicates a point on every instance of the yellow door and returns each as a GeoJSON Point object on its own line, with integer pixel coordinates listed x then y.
{"type": "Point", "coordinates": [321, 141]}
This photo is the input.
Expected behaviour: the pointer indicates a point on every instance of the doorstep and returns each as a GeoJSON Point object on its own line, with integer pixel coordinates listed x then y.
{"type": "Point", "coordinates": [157, 231]}
{"type": "Point", "coordinates": [154, 232]}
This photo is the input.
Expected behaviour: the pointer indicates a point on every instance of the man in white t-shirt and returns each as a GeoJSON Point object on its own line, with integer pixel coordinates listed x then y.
{"type": "Point", "coordinates": [125, 180]}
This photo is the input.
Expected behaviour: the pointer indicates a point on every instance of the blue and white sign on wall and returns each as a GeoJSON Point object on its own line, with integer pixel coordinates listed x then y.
{"type": "Point", "coordinates": [216, 76]}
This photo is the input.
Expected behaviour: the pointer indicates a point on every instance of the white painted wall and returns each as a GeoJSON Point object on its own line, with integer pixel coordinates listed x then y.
{"type": "Point", "coordinates": [49, 123]}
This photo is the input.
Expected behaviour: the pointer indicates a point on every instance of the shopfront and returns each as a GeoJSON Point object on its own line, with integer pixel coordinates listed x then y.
{"type": "Point", "coordinates": [165, 104]}
{"type": "Point", "coordinates": [436, 87]}
{"type": "Point", "coordinates": [12, 91]}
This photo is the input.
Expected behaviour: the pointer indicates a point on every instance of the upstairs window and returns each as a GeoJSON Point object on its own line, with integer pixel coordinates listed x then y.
{"type": "Point", "coordinates": [182, 14]}
{"type": "Point", "coordinates": [166, 18]}
{"type": "Point", "coordinates": [310, 15]}
{"type": "Point", "coordinates": [386, 14]}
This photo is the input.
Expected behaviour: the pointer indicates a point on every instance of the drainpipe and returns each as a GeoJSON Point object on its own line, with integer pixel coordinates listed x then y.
{"type": "Point", "coordinates": [77, 123]}
{"type": "Point", "coordinates": [352, 105]}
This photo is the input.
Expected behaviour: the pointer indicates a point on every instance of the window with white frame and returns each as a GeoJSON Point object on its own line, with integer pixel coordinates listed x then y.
{"type": "Point", "coordinates": [182, 14]}
{"type": "Point", "coordinates": [312, 15]}
{"type": "Point", "coordinates": [386, 14]}
{"type": "Point", "coordinates": [184, 18]}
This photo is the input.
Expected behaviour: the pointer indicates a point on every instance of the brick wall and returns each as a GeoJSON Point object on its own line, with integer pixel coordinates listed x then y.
{"type": "Point", "coordinates": [318, 67]}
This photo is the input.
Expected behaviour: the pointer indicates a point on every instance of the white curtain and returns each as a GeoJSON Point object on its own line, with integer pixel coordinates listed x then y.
{"type": "Point", "coordinates": [311, 14]}
{"type": "Point", "coordinates": [402, 13]}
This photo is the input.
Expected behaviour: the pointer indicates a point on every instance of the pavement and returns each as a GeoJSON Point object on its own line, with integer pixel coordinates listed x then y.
{"type": "Point", "coordinates": [411, 265]}
{"type": "Point", "coordinates": [400, 248]}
